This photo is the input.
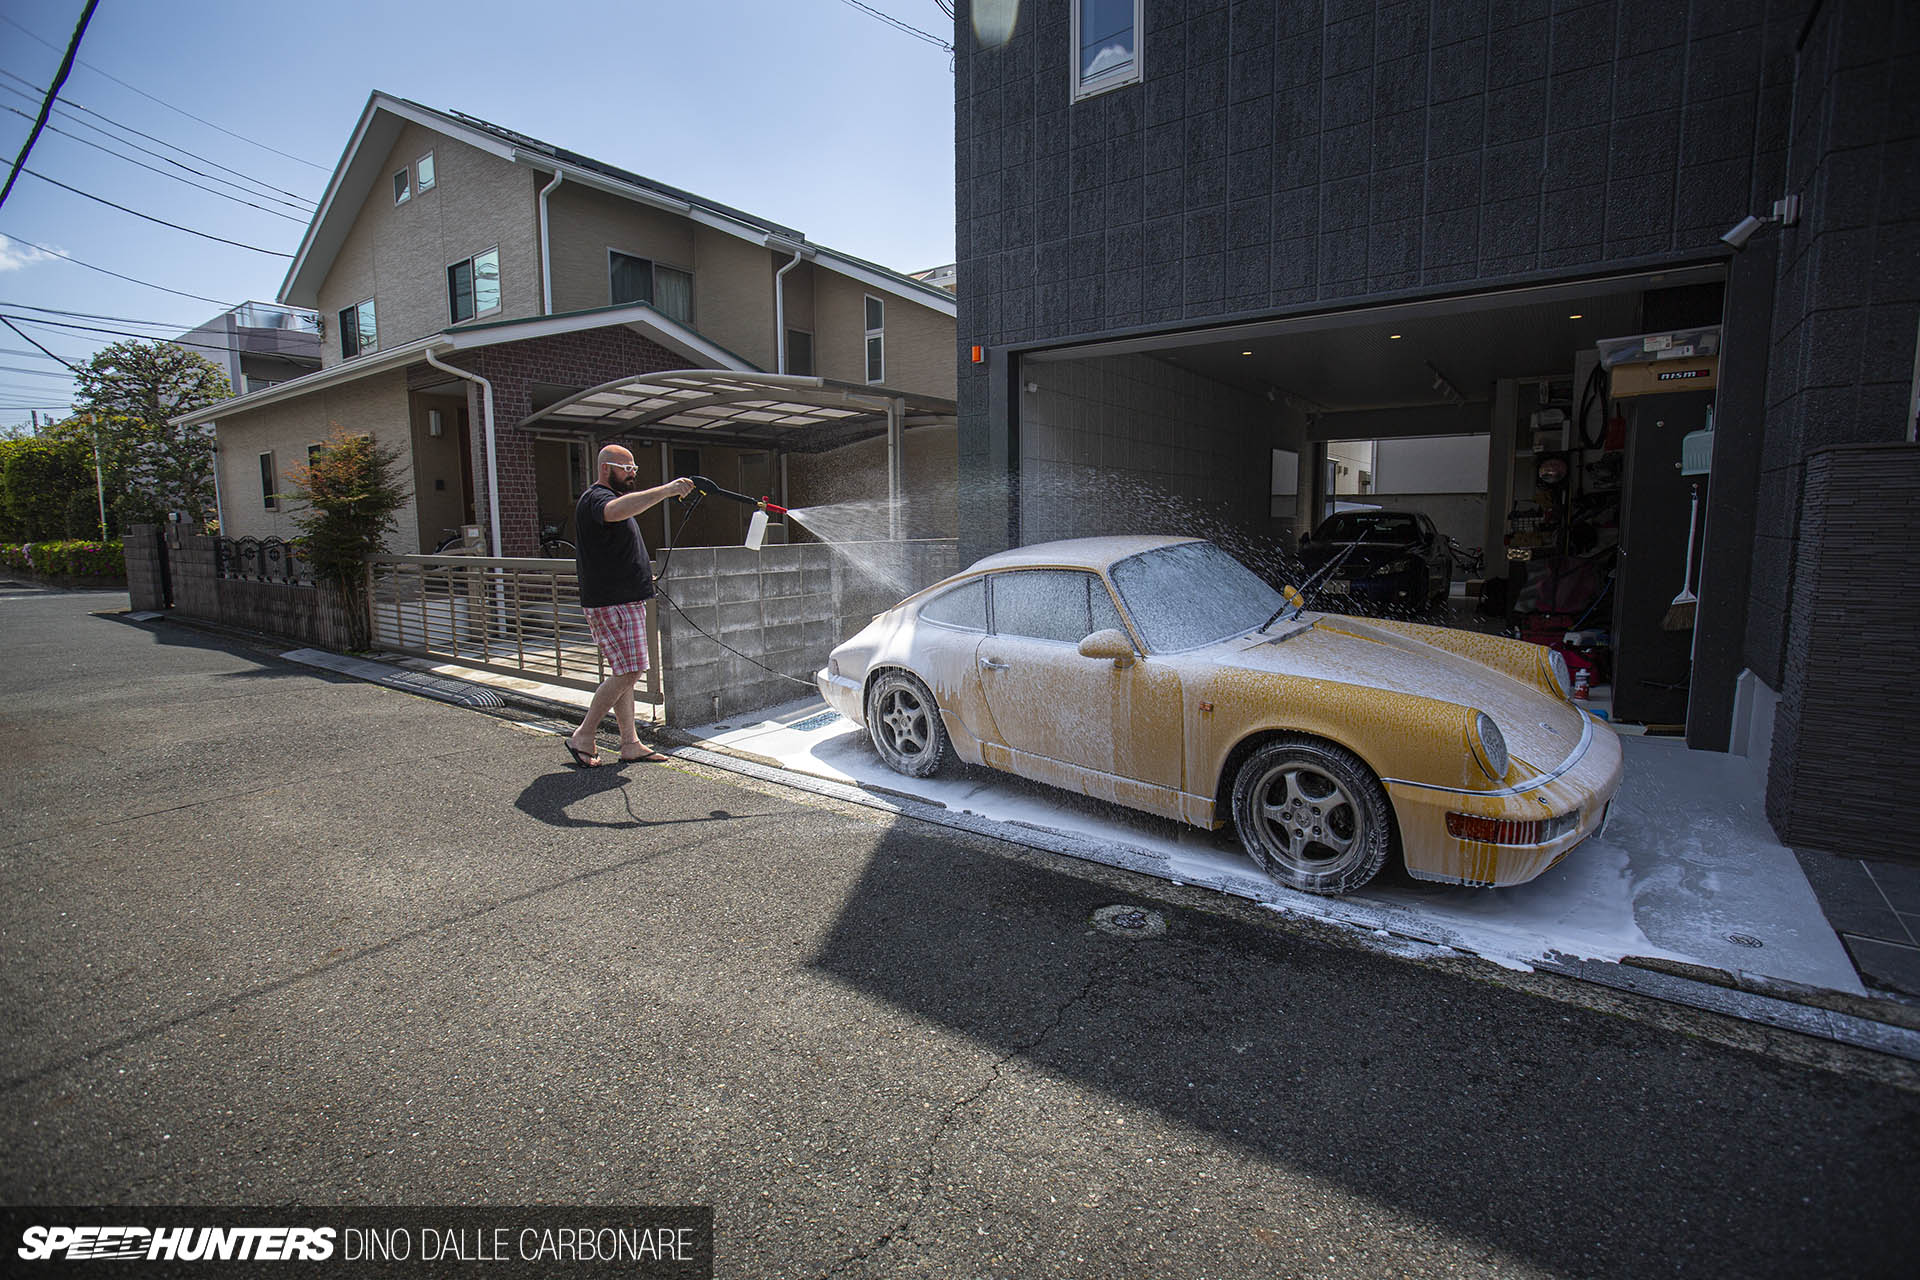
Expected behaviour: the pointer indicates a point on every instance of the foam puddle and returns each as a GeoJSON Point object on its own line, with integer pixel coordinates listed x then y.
{"type": "Point", "coordinates": [1688, 859]}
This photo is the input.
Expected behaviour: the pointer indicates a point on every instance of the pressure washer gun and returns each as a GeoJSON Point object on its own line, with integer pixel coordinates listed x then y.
{"type": "Point", "coordinates": [764, 507]}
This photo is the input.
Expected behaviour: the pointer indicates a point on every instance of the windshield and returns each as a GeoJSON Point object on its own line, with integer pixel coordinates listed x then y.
{"type": "Point", "coordinates": [1191, 594]}
{"type": "Point", "coordinates": [1349, 525]}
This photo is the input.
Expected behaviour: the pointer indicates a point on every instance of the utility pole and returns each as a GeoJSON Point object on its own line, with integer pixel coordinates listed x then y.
{"type": "Point", "coordinates": [99, 481]}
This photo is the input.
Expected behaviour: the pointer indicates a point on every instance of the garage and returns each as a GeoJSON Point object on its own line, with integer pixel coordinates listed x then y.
{"type": "Point", "coordinates": [1533, 437]}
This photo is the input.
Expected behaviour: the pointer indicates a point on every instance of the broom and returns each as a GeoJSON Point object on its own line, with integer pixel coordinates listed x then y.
{"type": "Point", "coordinates": [1680, 613]}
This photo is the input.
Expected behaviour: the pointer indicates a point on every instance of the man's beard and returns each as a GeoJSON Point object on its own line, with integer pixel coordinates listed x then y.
{"type": "Point", "coordinates": [620, 482]}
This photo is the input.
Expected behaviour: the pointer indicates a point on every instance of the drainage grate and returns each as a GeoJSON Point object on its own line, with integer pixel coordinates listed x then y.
{"type": "Point", "coordinates": [1129, 922]}
{"type": "Point", "coordinates": [820, 721]}
{"type": "Point", "coordinates": [1744, 940]}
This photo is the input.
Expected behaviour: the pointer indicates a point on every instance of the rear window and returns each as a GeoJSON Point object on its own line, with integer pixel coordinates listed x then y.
{"type": "Point", "coordinates": [1378, 528]}
{"type": "Point", "coordinates": [964, 606]}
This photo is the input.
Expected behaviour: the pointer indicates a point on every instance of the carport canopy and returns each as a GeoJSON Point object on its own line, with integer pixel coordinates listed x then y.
{"type": "Point", "coordinates": [791, 412]}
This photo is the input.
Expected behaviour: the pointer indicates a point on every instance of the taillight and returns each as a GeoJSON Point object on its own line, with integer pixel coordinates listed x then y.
{"type": "Point", "coordinates": [1466, 826]}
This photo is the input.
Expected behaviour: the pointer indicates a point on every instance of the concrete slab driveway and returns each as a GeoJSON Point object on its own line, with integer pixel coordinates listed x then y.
{"type": "Point", "coordinates": [273, 937]}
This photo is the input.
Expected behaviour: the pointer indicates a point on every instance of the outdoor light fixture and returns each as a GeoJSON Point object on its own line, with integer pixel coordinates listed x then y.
{"type": "Point", "coordinates": [1786, 213]}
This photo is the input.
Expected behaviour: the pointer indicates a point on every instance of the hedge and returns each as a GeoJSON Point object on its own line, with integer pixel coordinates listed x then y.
{"type": "Point", "coordinates": [66, 559]}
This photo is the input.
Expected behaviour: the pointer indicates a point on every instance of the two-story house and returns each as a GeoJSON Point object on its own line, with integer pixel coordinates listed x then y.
{"type": "Point", "coordinates": [472, 283]}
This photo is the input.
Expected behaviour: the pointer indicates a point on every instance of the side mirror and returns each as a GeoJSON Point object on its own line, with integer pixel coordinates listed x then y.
{"type": "Point", "coordinates": [1108, 643]}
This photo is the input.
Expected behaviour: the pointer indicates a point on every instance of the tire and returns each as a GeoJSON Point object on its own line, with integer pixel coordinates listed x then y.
{"type": "Point", "coordinates": [558, 549]}
{"type": "Point", "coordinates": [1278, 800]}
{"type": "Point", "coordinates": [904, 722]}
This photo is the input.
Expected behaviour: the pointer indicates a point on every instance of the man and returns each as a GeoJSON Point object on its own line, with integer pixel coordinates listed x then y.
{"type": "Point", "coordinates": [616, 581]}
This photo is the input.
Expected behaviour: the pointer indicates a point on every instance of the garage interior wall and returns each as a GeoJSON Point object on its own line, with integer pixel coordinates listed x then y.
{"type": "Point", "coordinates": [1132, 444]}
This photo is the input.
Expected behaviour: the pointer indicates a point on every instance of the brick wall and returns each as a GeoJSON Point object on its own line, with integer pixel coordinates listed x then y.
{"type": "Point", "coordinates": [144, 588]}
{"type": "Point", "coordinates": [1847, 300]}
{"type": "Point", "coordinates": [578, 359]}
{"type": "Point", "coordinates": [1842, 771]}
{"type": "Point", "coordinates": [784, 606]}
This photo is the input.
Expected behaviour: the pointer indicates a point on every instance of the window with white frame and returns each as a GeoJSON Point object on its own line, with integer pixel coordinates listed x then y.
{"type": "Point", "coordinates": [402, 187]}
{"type": "Point", "coordinates": [473, 286]}
{"type": "Point", "coordinates": [876, 339]}
{"type": "Point", "coordinates": [358, 332]}
{"type": "Point", "coordinates": [269, 483]}
{"type": "Point", "coordinates": [423, 173]}
{"type": "Point", "coordinates": [668, 290]}
{"type": "Point", "coordinates": [1106, 45]}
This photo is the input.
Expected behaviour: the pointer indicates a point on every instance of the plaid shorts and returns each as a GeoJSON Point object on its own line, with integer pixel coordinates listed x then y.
{"type": "Point", "coordinates": [621, 632]}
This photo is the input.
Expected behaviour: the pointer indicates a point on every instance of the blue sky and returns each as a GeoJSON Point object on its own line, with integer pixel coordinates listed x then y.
{"type": "Point", "coordinates": [808, 112]}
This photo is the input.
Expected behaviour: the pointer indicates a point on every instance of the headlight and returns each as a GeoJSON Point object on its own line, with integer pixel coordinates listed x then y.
{"type": "Point", "coordinates": [1557, 670]}
{"type": "Point", "coordinates": [1489, 748]}
{"type": "Point", "coordinates": [1397, 566]}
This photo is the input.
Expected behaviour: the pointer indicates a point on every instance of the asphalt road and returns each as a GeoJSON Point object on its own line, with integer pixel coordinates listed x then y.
{"type": "Point", "coordinates": [276, 937]}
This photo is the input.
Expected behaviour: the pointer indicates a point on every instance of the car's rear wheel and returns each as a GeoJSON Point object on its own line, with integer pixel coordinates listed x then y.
{"type": "Point", "coordinates": [1312, 815]}
{"type": "Point", "coordinates": [904, 723]}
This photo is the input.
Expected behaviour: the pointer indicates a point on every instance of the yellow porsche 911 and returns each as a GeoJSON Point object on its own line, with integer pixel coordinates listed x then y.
{"type": "Point", "coordinates": [1161, 674]}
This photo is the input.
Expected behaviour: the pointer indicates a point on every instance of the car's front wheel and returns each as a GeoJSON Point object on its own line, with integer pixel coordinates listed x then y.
{"type": "Point", "coordinates": [1312, 815]}
{"type": "Point", "coordinates": [904, 723]}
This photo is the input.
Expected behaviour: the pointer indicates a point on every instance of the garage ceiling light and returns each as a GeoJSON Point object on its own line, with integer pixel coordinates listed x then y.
{"type": "Point", "coordinates": [1393, 337]}
{"type": "Point", "coordinates": [1246, 353]}
{"type": "Point", "coordinates": [1576, 316]}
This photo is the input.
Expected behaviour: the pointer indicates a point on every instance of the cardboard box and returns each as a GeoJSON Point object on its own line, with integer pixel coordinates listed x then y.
{"type": "Point", "coordinates": [1659, 377]}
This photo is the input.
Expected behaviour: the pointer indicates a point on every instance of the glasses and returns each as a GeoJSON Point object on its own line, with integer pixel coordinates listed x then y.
{"type": "Point", "coordinates": [631, 468]}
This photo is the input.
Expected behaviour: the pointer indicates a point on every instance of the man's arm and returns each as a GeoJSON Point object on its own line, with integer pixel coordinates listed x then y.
{"type": "Point", "coordinates": [632, 504]}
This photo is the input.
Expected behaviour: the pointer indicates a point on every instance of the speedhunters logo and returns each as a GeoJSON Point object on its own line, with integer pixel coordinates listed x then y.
{"type": "Point", "coordinates": [176, 1244]}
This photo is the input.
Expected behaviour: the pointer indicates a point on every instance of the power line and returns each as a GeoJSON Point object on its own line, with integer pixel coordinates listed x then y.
{"type": "Point", "coordinates": [224, 195]}
{"type": "Point", "coordinates": [169, 106]}
{"type": "Point", "coordinates": [94, 315]}
{"type": "Point", "coordinates": [205, 235]}
{"type": "Point", "coordinates": [46, 103]}
{"type": "Point", "coordinates": [30, 338]}
{"type": "Point", "coordinates": [38, 373]}
{"type": "Point", "coordinates": [116, 275]}
{"type": "Point", "coordinates": [18, 351]}
{"type": "Point", "coordinates": [898, 25]}
{"type": "Point", "coordinates": [92, 328]}
{"type": "Point", "coordinates": [67, 107]}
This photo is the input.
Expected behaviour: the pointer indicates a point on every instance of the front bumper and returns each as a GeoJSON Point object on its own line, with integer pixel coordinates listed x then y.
{"type": "Point", "coordinates": [1586, 788]}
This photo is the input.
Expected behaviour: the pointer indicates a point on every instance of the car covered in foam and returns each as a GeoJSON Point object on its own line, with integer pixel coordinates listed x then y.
{"type": "Point", "coordinates": [1161, 674]}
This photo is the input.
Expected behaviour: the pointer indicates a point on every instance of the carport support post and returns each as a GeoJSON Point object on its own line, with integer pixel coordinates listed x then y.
{"type": "Point", "coordinates": [896, 464]}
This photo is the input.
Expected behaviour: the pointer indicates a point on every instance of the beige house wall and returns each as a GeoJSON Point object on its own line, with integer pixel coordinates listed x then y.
{"type": "Point", "coordinates": [733, 295]}
{"type": "Point", "coordinates": [377, 405]}
{"type": "Point", "coordinates": [919, 352]}
{"type": "Point", "coordinates": [398, 255]}
{"type": "Point", "coordinates": [584, 224]}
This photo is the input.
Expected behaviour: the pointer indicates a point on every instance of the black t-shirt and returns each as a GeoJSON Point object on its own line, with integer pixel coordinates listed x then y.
{"type": "Point", "coordinates": [610, 558]}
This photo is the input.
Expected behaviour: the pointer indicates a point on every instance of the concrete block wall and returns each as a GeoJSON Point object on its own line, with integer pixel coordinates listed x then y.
{"type": "Point", "coordinates": [784, 606]}
{"type": "Point", "coordinates": [1842, 771]}
{"type": "Point", "coordinates": [305, 615]}
{"type": "Point", "coordinates": [144, 589]}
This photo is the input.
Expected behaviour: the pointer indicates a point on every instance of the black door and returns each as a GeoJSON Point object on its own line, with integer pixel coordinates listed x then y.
{"type": "Point", "coordinates": [1652, 665]}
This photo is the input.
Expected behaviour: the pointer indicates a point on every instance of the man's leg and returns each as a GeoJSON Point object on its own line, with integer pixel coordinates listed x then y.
{"type": "Point", "coordinates": [623, 712]}
{"type": "Point", "coordinates": [614, 691]}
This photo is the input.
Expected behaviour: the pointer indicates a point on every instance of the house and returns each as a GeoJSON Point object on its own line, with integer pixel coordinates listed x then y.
{"type": "Point", "coordinates": [1200, 246]}
{"type": "Point", "coordinates": [258, 344]}
{"type": "Point", "coordinates": [473, 284]}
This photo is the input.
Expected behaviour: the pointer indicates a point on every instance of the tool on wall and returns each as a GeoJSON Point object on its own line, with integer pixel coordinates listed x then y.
{"type": "Point", "coordinates": [1680, 615]}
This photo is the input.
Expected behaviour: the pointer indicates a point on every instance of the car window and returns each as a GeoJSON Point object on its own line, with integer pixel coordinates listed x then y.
{"type": "Point", "coordinates": [1046, 604]}
{"type": "Point", "coordinates": [1191, 594]}
{"type": "Point", "coordinates": [1350, 526]}
{"type": "Point", "coordinates": [964, 606]}
{"type": "Point", "coordinates": [1104, 615]}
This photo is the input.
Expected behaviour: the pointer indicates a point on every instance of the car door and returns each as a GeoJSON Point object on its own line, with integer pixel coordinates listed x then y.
{"type": "Point", "coordinates": [1050, 702]}
{"type": "Point", "coordinates": [949, 630]}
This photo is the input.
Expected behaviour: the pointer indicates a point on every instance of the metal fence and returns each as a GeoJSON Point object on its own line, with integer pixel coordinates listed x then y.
{"type": "Point", "coordinates": [261, 560]}
{"type": "Point", "coordinates": [515, 616]}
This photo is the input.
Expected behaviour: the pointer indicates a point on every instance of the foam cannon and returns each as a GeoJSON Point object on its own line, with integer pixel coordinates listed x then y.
{"type": "Point", "coordinates": [763, 507]}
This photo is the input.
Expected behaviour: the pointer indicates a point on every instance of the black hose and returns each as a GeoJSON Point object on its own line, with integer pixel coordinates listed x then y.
{"type": "Point", "coordinates": [1596, 389]}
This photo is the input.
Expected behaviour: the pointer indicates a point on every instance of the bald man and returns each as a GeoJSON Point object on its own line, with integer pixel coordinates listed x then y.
{"type": "Point", "coordinates": [616, 581]}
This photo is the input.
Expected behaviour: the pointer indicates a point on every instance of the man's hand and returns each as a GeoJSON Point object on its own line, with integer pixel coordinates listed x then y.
{"type": "Point", "coordinates": [680, 488]}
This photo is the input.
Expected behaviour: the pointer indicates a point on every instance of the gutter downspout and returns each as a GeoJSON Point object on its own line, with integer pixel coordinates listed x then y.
{"type": "Point", "coordinates": [493, 453]}
{"type": "Point", "coordinates": [546, 256]}
{"type": "Point", "coordinates": [780, 306]}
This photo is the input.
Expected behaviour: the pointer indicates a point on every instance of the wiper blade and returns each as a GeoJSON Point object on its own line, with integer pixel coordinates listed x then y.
{"type": "Point", "coordinates": [1308, 585]}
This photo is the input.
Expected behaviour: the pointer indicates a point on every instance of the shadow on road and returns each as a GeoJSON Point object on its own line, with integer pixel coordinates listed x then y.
{"type": "Point", "coordinates": [549, 797]}
{"type": "Point", "coordinates": [1587, 1144]}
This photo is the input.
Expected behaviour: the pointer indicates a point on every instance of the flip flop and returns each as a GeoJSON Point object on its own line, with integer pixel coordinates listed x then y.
{"type": "Point", "coordinates": [582, 759]}
{"type": "Point", "coordinates": [652, 757]}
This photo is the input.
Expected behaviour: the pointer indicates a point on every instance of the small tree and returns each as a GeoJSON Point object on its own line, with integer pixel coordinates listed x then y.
{"type": "Point", "coordinates": [352, 488]}
{"type": "Point", "coordinates": [128, 391]}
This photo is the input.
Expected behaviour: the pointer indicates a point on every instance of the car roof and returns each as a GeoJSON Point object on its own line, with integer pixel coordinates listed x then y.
{"type": "Point", "coordinates": [1078, 553]}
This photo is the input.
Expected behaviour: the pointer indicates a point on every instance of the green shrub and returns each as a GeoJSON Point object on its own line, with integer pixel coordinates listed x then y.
{"type": "Point", "coordinates": [75, 559]}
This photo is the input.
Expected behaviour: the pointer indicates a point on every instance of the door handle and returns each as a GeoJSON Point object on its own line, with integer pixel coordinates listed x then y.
{"type": "Point", "coordinates": [991, 665]}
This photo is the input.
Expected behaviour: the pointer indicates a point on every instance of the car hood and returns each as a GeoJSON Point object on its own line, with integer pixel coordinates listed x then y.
{"type": "Point", "coordinates": [1540, 728]}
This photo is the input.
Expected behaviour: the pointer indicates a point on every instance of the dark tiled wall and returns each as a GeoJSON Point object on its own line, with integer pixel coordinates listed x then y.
{"type": "Point", "coordinates": [1843, 771]}
{"type": "Point", "coordinates": [1847, 303]}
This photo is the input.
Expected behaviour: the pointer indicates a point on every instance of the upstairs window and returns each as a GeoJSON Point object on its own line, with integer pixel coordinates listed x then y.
{"type": "Point", "coordinates": [800, 352]}
{"type": "Point", "coordinates": [358, 333]}
{"type": "Point", "coordinates": [1106, 45]}
{"type": "Point", "coordinates": [269, 483]}
{"type": "Point", "coordinates": [473, 286]}
{"type": "Point", "coordinates": [667, 290]}
{"type": "Point", "coordinates": [423, 173]}
{"type": "Point", "coordinates": [402, 189]}
{"type": "Point", "coordinates": [876, 339]}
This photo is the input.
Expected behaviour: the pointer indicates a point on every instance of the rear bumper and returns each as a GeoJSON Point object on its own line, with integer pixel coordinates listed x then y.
{"type": "Point", "coordinates": [1587, 788]}
{"type": "Point", "coordinates": [840, 693]}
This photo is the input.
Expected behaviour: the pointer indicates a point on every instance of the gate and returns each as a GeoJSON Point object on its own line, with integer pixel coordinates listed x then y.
{"type": "Point", "coordinates": [518, 617]}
